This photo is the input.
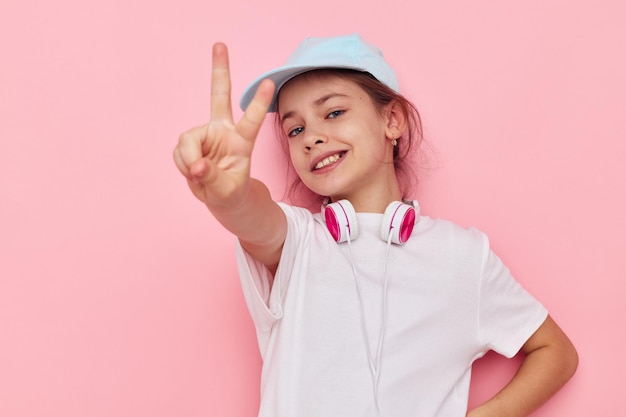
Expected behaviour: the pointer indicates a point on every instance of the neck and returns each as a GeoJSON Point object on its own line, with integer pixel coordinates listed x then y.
{"type": "Point", "coordinates": [368, 203]}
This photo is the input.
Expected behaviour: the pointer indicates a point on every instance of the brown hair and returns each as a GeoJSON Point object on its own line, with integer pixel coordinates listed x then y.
{"type": "Point", "coordinates": [403, 153]}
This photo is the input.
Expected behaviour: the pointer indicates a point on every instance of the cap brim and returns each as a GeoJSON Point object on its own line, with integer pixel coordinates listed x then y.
{"type": "Point", "coordinates": [280, 76]}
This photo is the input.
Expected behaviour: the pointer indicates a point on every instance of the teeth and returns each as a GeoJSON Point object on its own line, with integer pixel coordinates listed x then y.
{"type": "Point", "coordinates": [327, 161]}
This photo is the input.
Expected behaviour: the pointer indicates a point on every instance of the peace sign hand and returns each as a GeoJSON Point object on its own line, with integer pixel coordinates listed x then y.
{"type": "Point", "coordinates": [215, 158]}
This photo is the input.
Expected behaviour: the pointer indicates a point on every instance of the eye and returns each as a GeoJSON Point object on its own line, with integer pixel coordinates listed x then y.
{"type": "Point", "coordinates": [295, 132]}
{"type": "Point", "coordinates": [334, 114]}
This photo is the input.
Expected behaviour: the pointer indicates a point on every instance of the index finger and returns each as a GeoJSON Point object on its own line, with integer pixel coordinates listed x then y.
{"type": "Point", "coordinates": [220, 84]}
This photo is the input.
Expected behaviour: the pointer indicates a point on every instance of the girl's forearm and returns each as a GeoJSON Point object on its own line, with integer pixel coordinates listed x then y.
{"type": "Point", "coordinates": [550, 362]}
{"type": "Point", "coordinates": [258, 222]}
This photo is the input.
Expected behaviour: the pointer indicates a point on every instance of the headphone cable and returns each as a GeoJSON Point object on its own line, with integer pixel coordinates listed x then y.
{"type": "Point", "coordinates": [374, 367]}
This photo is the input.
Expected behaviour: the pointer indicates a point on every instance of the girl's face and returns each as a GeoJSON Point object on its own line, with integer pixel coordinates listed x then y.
{"type": "Point", "coordinates": [340, 144]}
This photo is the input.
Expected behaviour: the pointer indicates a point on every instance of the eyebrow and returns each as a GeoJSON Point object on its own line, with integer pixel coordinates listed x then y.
{"type": "Point", "coordinates": [318, 102]}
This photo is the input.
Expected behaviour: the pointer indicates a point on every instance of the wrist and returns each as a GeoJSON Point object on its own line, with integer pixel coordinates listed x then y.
{"type": "Point", "coordinates": [492, 408]}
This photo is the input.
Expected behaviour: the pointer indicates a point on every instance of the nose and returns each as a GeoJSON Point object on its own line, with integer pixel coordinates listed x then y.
{"type": "Point", "coordinates": [317, 142]}
{"type": "Point", "coordinates": [313, 138]}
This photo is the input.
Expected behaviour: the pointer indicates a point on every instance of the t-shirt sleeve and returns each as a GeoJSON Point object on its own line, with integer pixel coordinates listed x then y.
{"type": "Point", "coordinates": [263, 292]}
{"type": "Point", "coordinates": [508, 314]}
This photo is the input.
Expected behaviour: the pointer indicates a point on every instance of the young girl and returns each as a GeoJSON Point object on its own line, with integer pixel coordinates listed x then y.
{"type": "Point", "coordinates": [365, 308]}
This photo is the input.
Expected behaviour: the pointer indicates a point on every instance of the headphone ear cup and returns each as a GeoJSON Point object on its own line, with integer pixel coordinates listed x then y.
{"type": "Point", "coordinates": [341, 220]}
{"type": "Point", "coordinates": [398, 221]}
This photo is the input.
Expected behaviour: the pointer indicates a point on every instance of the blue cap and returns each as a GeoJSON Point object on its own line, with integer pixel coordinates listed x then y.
{"type": "Point", "coordinates": [350, 52]}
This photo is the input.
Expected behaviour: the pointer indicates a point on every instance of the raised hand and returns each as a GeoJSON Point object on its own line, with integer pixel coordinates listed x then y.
{"type": "Point", "coordinates": [215, 158]}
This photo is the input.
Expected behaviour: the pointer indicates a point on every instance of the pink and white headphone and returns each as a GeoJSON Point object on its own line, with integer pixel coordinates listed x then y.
{"type": "Point", "coordinates": [397, 224]}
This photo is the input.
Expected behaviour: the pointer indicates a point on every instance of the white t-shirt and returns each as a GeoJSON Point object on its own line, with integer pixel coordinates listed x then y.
{"type": "Point", "coordinates": [450, 300]}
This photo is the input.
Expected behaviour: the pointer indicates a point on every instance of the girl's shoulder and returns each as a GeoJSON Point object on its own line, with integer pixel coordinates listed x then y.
{"type": "Point", "coordinates": [449, 233]}
{"type": "Point", "coordinates": [297, 213]}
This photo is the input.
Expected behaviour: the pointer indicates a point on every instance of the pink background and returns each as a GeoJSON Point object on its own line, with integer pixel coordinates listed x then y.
{"type": "Point", "coordinates": [118, 291]}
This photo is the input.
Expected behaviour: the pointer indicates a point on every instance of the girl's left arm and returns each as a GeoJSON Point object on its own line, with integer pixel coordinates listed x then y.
{"type": "Point", "coordinates": [550, 362]}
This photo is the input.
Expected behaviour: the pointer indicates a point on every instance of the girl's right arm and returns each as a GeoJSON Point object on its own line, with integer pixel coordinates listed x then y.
{"type": "Point", "coordinates": [215, 160]}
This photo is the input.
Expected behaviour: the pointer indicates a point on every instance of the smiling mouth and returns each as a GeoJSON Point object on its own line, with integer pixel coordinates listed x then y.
{"type": "Point", "coordinates": [328, 161]}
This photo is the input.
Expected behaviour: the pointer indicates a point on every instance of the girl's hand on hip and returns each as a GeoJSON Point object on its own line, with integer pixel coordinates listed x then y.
{"type": "Point", "coordinates": [215, 157]}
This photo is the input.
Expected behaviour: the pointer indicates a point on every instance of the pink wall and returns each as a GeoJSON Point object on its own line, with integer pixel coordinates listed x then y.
{"type": "Point", "coordinates": [118, 293]}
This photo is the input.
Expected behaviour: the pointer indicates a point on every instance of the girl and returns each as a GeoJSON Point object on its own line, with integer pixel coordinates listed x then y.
{"type": "Point", "coordinates": [365, 308]}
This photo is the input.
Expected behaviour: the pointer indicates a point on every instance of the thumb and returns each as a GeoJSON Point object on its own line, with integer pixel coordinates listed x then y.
{"type": "Point", "coordinates": [203, 176]}
{"type": "Point", "coordinates": [202, 172]}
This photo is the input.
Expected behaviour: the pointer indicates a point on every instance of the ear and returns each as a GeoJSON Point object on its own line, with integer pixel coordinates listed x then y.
{"type": "Point", "coordinates": [396, 118]}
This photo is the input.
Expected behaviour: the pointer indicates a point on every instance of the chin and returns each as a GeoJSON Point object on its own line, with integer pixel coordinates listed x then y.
{"type": "Point", "coordinates": [326, 189]}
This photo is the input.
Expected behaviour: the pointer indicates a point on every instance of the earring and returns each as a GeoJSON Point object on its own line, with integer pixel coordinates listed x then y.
{"type": "Point", "coordinates": [395, 142]}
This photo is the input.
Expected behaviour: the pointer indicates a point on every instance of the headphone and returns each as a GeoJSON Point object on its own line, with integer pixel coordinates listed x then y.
{"type": "Point", "coordinates": [396, 227]}
{"type": "Point", "coordinates": [397, 224]}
